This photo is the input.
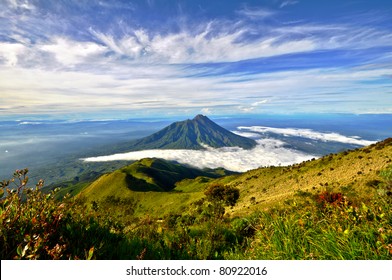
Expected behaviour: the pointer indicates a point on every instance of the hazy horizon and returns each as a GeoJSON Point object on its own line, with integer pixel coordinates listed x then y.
{"type": "Point", "coordinates": [283, 139]}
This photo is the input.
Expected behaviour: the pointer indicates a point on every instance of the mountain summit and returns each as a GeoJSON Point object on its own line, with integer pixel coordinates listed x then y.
{"type": "Point", "coordinates": [192, 134]}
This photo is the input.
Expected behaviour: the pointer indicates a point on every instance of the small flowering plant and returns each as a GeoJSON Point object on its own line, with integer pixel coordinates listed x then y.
{"type": "Point", "coordinates": [331, 199]}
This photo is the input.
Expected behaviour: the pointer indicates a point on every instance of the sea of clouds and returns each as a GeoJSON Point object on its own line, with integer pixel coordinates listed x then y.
{"type": "Point", "coordinates": [268, 151]}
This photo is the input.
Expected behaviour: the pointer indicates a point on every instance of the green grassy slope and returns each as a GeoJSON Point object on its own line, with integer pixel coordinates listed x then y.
{"type": "Point", "coordinates": [148, 179]}
{"type": "Point", "coordinates": [158, 186]}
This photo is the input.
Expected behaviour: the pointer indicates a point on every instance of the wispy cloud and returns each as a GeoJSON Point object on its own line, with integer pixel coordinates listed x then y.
{"type": "Point", "coordinates": [20, 5]}
{"type": "Point", "coordinates": [210, 45]}
{"type": "Point", "coordinates": [288, 3]}
{"type": "Point", "coordinates": [259, 102]}
{"type": "Point", "coordinates": [256, 13]}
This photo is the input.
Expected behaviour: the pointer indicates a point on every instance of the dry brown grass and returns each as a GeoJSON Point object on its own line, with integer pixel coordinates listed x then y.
{"type": "Point", "coordinates": [265, 187]}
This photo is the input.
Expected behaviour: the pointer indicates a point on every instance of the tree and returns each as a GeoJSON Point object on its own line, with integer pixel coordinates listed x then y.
{"type": "Point", "coordinates": [226, 194]}
{"type": "Point", "coordinates": [221, 196]}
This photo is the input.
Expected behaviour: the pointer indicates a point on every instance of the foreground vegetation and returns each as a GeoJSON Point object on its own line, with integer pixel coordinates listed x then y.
{"type": "Point", "coordinates": [337, 223]}
{"type": "Point", "coordinates": [336, 207]}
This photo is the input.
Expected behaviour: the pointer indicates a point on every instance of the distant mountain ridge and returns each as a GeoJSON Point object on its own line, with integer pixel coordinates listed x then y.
{"type": "Point", "coordinates": [192, 134]}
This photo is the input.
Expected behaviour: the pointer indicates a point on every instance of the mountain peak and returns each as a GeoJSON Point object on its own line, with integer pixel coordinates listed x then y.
{"type": "Point", "coordinates": [193, 134]}
{"type": "Point", "coordinates": [203, 120]}
{"type": "Point", "coordinates": [200, 117]}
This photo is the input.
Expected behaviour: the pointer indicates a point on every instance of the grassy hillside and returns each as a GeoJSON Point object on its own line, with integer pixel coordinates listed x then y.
{"type": "Point", "coordinates": [350, 172]}
{"type": "Point", "coordinates": [153, 186]}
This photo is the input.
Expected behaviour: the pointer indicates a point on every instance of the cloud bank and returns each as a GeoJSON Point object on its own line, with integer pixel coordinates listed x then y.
{"type": "Point", "coordinates": [268, 152]}
{"type": "Point", "coordinates": [305, 133]}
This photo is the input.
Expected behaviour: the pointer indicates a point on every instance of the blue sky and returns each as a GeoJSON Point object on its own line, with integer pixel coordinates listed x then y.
{"type": "Point", "coordinates": [121, 59]}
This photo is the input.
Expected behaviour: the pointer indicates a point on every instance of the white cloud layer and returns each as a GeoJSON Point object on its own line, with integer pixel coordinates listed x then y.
{"type": "Point", "coordinates": [268, 152]}
{"type": "Point", "coordinates": [306, 133]}
{"type": "Point", "coordinates": [164, 87]}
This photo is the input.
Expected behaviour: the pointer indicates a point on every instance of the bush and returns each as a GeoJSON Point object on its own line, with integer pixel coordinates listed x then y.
{"type": "Point", "coordinates": [228, 195]}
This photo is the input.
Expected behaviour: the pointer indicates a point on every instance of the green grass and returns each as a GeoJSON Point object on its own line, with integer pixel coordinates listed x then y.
{"type": "Point", "coordinates": [334, 233]}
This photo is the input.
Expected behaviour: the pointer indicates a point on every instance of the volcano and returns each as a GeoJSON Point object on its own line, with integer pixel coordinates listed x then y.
{"type": "Point", "coordinates": [192, 134]}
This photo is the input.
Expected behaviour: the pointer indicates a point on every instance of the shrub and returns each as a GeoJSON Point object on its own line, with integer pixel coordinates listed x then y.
{"type": "Point", "coordinates": [228, 195]}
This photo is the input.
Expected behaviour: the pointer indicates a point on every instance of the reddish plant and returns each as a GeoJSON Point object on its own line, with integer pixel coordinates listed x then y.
{"type": "Point", "coordinates": [330, 198]}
